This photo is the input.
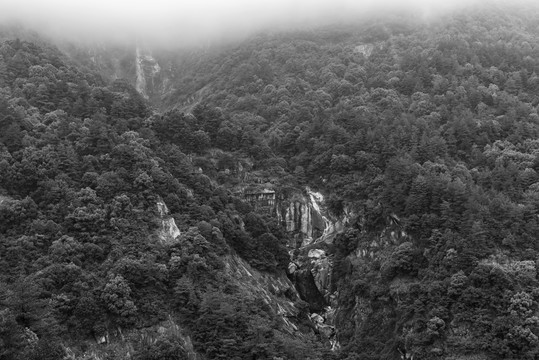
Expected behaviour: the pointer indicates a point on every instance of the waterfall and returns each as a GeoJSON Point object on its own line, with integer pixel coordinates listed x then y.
{"type": "Point", "coordinates": [169, 230]}
{"type": "Point", "coordinates": [141, 79]}
{"type": "Point", "coordinates": [147, 68]}
{"type": "Point", "coordinates": [332, 227]}
{"type": "Point", "coordinates": [312, 267]}
{"type": "Point", "coordinates": [317, 201]}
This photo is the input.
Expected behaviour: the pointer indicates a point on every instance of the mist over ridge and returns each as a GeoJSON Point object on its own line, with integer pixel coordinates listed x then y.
{"type": "Point", "coordinates": [246, 179]}
{"type": "Point", "coordinates": [189, 22]}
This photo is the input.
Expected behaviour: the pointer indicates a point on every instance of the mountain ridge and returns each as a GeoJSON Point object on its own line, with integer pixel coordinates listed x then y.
{"type": "Point", "coordinates": [425, 138]}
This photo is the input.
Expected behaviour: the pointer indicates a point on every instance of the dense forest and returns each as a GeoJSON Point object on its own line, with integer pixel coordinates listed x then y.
{"type": "Point", "coordinates": [424, 135]}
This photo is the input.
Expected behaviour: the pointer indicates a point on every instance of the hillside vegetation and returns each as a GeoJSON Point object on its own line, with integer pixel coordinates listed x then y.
{"type": "Point", "coordinates": [428, 133]}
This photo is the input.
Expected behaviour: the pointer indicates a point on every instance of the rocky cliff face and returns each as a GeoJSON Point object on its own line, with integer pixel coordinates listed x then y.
{"type": "Point", "coordinates": [277, 291]}
{"type": "Point", "coordinates": [169, 230]}
{"type": "Point", "coordinates": [304, 215]}
{"type": "Point", "coordinates": [153, 76]}
{"type": "Point", "coordinates": [300, 213]}
{"type": "Point", "coordinates": [151, 73]}
{"type": "Point", "coordinates": [147, 70]}
{"type": "Point", "coordinates": [301, 219]}
{"type": "Point", "coordinates": [312, 265]}
{"type": "Point", "coordinates": [312, 271]}
{"type": "Point", "coordinates": [317, 229]}
{"type": "Point", "coordinates": [120, 342]}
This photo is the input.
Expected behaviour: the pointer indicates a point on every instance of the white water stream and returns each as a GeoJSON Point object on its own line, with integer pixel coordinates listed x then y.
{"type": "Point", "coordinates": [141, 79]}
{"type": "Point", "coordinates": [145, 58]}
{"type": "Point", "coordinates": [331, 228]}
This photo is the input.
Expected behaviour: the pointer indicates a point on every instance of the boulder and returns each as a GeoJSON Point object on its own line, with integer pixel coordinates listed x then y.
{"type": "Point", "coordinates": [308, 291]}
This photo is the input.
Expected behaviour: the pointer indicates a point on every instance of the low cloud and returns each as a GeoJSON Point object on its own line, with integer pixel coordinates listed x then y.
{"type": "Point", "coordinates": [184, 22]}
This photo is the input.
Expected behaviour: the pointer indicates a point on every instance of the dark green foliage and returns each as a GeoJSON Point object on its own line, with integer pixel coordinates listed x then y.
{"type": "Point", "coordinates": [47, 349]}
{"type": "Point", "coordinates": [183, 130]}
{"type": "Point", "coordinates": [424, 135]}
{"type": "Point", "coordinates": [11, 334]}
{"type": "Point", "coordinates": [162, 349]}
{"type": "Point", "coordinates": [232, 327]}
{"type": "Point", "coordinates": [82, 170]}
{"type": "Point", "coordinates": [404, 260]}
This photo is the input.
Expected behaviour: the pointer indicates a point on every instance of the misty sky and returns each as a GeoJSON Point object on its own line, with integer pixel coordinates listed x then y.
{"type": "Point", "coordinates": [180, 20]}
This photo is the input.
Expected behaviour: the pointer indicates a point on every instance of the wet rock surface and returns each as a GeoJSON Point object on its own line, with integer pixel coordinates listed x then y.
{"type": "Point", "coordinates": [308, 291]}
{"type": "Point", "coordinates": [169, 230]}
{"type": "Point", "coordinates": [312, 265]}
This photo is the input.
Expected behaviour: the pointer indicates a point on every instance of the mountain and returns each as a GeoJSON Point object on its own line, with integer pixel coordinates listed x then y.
{"type": "Point", "coordinates": [365, 190]}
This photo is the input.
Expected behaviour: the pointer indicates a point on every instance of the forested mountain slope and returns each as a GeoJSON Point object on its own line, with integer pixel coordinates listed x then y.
{"type": "Point", "coordinates": [435, 125]}
{"type": "Point", "coordinates": [425, 134]}
{"type": "Point", "coordinates": [89, 249]}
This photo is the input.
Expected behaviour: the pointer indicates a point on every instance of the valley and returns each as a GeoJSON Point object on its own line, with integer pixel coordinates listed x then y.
{"type": "Point", "coordinates": [363, 190]}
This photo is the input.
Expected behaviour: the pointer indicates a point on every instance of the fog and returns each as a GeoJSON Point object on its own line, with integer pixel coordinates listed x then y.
{"type": "Point", "coordinates": [188, 22]}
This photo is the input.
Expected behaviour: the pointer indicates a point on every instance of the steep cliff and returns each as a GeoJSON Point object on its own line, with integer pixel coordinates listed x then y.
{"type": "Point", "coordinates": [147, 70]}
{"type": "Point", "coordinates": [169, 230]}
{"type": "Point", "coordinates": [150, 71]}
{"type": "Point", "coordinates": [430, 138]}
{"type": "Point", "coordinates": [311, 267]}
{"type": "Point", "coordinates": [303, 214]}
{"type": "Point", "coordinates": [301, 218]}
{"type": "Point", "coordinates": [277, 291]}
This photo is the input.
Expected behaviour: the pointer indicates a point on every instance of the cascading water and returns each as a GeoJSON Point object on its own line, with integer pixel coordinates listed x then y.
{"type": "Point", "coordinates": [141, 79]}
{"type": "Point", "coordinates": [169, 230]}
{"type": "Point", "coordinates": [147, 68]}
{"type": "Point", "coordinates": [317, 200]}
{"type": "Point", "coordinates": [313, 264]}
{"type": "Point", "coordinates": [331, 227]}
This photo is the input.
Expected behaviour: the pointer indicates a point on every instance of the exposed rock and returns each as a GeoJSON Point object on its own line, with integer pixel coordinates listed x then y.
{"type": "Point", "coordinates": [3, 198]}
{"type": "Point", "coordinates": [121, 342]}
{"type": "Point", "coordinates": [364, 49]}
{"type": "Point", "coordinates": [292, 267]}
{"type": "Point", "coordinates": [321, 270]}
{"type": "Point", "coordinates": [317, 319]}
{"type": "Point", "coordinates": [302, 217]}
{"type": "Point", "coordinates": [147, 68]}
{"type": "Point", "coordinates": [326, 330]}
{"type": "Point", "coordinates": [101, 339]}
{"type": "Point", "coordinates": [308, 291]}
{"type": "Point", "coordinates": [276, 290]}
{"type": "Point", "coordinates": [392, 234]}
{"type": "Point", "coordinates": [330, 315]}
{"type": "Point", "coordinates": [324, 327]}
{"type": "Point", "coordinates": [169, 230]}
{"type": "Point", "coordinates": [302, 214]}
{"type": "Point", "coordinates": [316, 253]}
{"type": "Point", "coordinates": [306, 216]}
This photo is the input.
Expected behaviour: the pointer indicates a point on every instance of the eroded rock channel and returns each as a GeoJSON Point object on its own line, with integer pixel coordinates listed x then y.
{"type": "Point", "coordinates": [311, 266]}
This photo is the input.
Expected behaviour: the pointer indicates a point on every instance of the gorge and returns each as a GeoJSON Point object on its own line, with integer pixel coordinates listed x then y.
{"type": "Point", "coordinates": [353, 191]}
